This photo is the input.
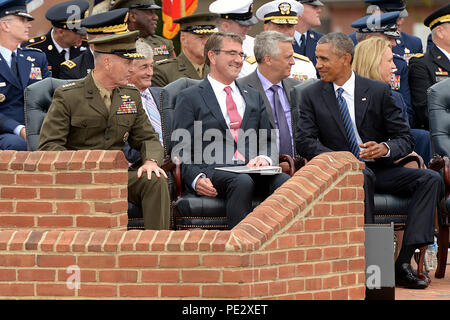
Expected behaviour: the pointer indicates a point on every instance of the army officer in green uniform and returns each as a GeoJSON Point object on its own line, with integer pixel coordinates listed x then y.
{"type": "Point", "coordinates": [195, 30]}
{"type": "Point", "coordinates": [143, 17]}
{"type": "Point", "coordinates": [103, 112]}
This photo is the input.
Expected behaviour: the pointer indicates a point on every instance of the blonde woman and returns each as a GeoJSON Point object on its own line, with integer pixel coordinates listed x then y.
{"type": "Point", "coordinates": [373, 59]}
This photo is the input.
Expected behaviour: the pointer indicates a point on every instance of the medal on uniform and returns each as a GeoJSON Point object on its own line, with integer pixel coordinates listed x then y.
{"type": "Point", "coordinates": [36, 73]}
{"type": "Point", "coordinates": [395, 82]}
{"type": "Point", "coordinates": [125, 136]}
{"type": "Point", "coordinates": [128, 106]}
{"type": "Point", "coordinates": [300, 77]}
{"type": "Point", "coordinates": [31, 59]}
{"type": "Point", "coordinates": [2, 97]}
{"type": "Point", "coordinates": [161, 50]}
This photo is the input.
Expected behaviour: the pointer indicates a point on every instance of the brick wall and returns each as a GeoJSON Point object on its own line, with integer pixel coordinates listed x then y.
{"type": "Point", "coordinates": [306, 241]}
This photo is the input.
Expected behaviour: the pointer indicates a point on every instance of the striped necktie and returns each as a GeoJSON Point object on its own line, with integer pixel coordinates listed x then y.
{"type": "Point", "coordinates": [152, 112]}
{"type": "Point", "coordinates": [345, 114]}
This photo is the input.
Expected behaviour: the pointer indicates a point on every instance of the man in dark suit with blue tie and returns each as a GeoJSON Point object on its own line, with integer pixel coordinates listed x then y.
{"type": "Point", "coordinates": [346, 112]}
{"type": "Point", "coordinates": [236, 116]}
{"type": "Point", "coordinates": [18, 68]}
{"type": "Point", "coordinates": [305, 38]}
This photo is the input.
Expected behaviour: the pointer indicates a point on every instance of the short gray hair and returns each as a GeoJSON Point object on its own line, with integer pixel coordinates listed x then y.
{"type": "Point", "coordinates": [144, 48]}
{"type": "Point", "coordinates": [266, 43]}
{"type": "Point", "coordinates": [340, 43]}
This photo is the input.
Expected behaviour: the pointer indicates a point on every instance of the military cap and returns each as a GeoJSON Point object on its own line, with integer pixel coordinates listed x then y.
{"type": "Point", "coordinates": [240, 11]}
{"type": "Point", "coordinates": [440, 16]}
{"type": "Point", "coordinates": [120, 44]}
{"type": "Point", "coordinates": [136, 4]}
{"type": "Point", "coordinates": [114, 21]}
{"type": "Point", "coordinates": [280, 12]}
{"type": "Point", "coordinates": [68, 15]}
{"type": "Point", "coordinates": [315, 3]}
{"type": "Point", "coordinates": [385, 23]}
{"type": "Point", "coordinates": [388, 6]}
{"type": "Point", "coordinates": [14, 7]}
{"type": "Point", "coordinates": [198, 23]}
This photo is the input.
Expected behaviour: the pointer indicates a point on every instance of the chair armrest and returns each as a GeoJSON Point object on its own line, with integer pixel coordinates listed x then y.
{"type": "Point", "coordinates": [290, 168]}
{"type": "Point", "coordinates": [437, 163]}
{"type": "Point", "coordinates": [412, 160]}
{"type": "Point", "coordinates": [177, 179]}
{"type": "Point", "coordinates": [167, 164]}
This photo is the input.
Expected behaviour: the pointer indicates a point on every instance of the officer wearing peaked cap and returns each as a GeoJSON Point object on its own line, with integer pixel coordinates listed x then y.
{"type": "Point", "coordinates": [306, 38]}
{"type": "Point", "coordinates": [144, 18]}
{"type": "Point", "coordinates": [236, 16]}
{"type": "Point", "coordinates": [66, 38]}
{"type": "Point", "coordinates": [431, 67]}
{"type": "Point", "coordinates": [385, 25]}
{"type": "Point", "coordinates": [19, 67]}
{"type": "Point", "coordinates": [282, 16]}
{"type": "Point", "coordinates": [97, 25]}
{"type": "Point", "coordinates": [101, 112]}
{"type": "Point", "coordinates": [195, 31]}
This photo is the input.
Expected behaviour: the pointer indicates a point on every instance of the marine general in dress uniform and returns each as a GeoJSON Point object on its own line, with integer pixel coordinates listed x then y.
{"type": "Point", "coordinates": [431, 67]}
{"type": "Point", "coordinates": [195, 30]}
{"type": "Point", "coordinates": [97, 25]}
{"type": "Point", "coordinates": [103, 112]}
{"type": "Point", "coordinates": [143, 17]}
{"type": "Point", "coordinates": [19, 67]}
{"type": "Point", "coordinates": [282, 16]}
{"type": "Point", "coordinates": [66, 38]}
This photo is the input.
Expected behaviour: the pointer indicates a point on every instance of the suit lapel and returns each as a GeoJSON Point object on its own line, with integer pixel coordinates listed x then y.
{"type": "Point", "coordinates": [24, 69]}
{"type": "Point", "coordinates": [211, 102]}
{"type": "Point", "coordinates": [7, 73]}
{"type": "Point", "coordinates": [361, 101]}
{"type": "Point", "coordinates": [249, 105]}
{"type": "Point", "coordinates": [331, 103]}
{"type": "Point", "coordinates": [440, 58]}
{"type": "Point", "coordinates": [255, 83]}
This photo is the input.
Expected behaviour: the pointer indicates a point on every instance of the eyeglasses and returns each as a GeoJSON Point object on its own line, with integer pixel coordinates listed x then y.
{"type": "Point", "coordinates": [233, 53]}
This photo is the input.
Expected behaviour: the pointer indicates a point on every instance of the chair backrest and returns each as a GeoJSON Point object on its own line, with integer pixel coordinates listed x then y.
{"type": "Point", "coordinates": [38, 98]}
{"type": "Point", "coordinates": [168, 100]}
{"type": "Point", "coordinates": [439, 117]}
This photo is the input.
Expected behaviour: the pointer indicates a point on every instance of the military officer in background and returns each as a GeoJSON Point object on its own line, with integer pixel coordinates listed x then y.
{"type": "Point", "coordinates": [237, 16]}
{"type": "Point", "coordinates": [305, 38]}
{"type": "Point", "coordinates": [102, 112]}
{"type": "Point", "coordinates": [97, 25]}
{"type": "Point", "coordinates": [431, 67]}
{"type": "Point", "coordinates": [194, 32]}
{"type": "Point", "coordinates": [143, 17]}
{"type": "Point", "coordinates": [282, 16]}
{"type": "Point", "coordinates": [19, 67]}
{"type": "Point", "coordinates": [66, 38]}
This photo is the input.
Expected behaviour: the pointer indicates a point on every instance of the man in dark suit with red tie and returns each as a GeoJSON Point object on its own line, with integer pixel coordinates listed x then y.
{"type": "Point", "coordinates": [229, 111]}
{"type": "Point", "coordinates": [346, 112]}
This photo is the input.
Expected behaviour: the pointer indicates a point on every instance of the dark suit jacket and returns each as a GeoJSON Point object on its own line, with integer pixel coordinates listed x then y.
{"type": "Point", "coordinates": [77, 68]}
{"type": "Point", "coordinates": [321, 128]}
{"type": "Point", "coordinates": [424, 71]}
{"type": "Point", "coordinates": [32, 67]}
{"type": "Point", "coordinates": [199, 103]}
{"type": "Point", "coordinates": [252, 80]}
{"type": "Point", "coordinates": [312, 37]}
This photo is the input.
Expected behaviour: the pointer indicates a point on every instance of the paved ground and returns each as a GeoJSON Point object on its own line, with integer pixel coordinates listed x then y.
{"type": "Point", "coordinates": [439, 289]}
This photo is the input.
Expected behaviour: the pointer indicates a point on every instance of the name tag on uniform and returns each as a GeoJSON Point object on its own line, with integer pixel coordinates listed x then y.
{"type": "Point", "coordinates": [2, 84]}
{"type": "Point", "coordinates": [36, 73]}
{"type": "Point", "coordinates": [128, 106]}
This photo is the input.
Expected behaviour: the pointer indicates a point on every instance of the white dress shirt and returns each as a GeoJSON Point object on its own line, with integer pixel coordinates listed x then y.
{"type": "Point", "coordinates": [59, 48]}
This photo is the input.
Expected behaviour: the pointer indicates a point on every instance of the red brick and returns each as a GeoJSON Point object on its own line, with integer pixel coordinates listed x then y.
{"type": "Point", "coordinates": [240, 275]}
{"type": "Point", "coordinates": [85, 275]}
{"type": "Point", "coordinates": [295, 256]}
{"type": "Point", "coordinates": [64, 243]}
{"type": "Point", "coordinates": [145, 239]}
{"type": "Point", "coordinates": [179, 261]}
{"type": "Point", "coordinates": [16, 290]}
{"type": "Point", "coordinates": [34, 178]}
{"type": "Point", "coordinates": [55, 221]}
{"type": "Point", "coordinates": [304, 270]}
{"type": "Point", "coordinates": [160, 276]}
{"type": "Point", "coordinates": [358, 293]}
{"type": "Point", "coordinates": [330, 282]}
{"type": "Point", "coordinates": [55, 260]}
{"type": "Point", "coordinates": [225, 291]}
{"type": "Point", "coordinates": [126, 276]}
{"type": "Point", "coordinates": [140, 290]}
{"type": "Point", "coordinates": [313, 284]}
{"type": "Point", "coordinates": [356, 236]}
{"type": "Point", "coordinates": [128, 241]}
{"type": "Point", "coordinates": [304, 240]}
{"type": "Point", "coordinates": [322, 210]}
{"type": "Point", "coordinates": [36, 274]}
{"type": "Point", "coordinates": [6, 207]}
{"type": "Point", "coordinates": [18, 260]}
{"type": "Point", "coordinates": [5, 237]}
{"type": "Point", "coordinates": [18, 193]}
{"type": "Point", "coordinates": [81, 241]}
{"type": "Point", "coordinates": [286, 241]}
{"type": "Point", "coordinates": [111, 207]}
{"type": "Point", "coordinates": [205, 242]}
{"type": "Point", "coordinates": [34, 207]}
{"type": "Point", "coordinates": [340, 266]}
{"type": "Point", "coordinates": [57, 193]}
{"type": "Point", "coordinates": [321, 295]}
{"type": "Point", "coordinates": [286, 272]}
{"type": "Point", "coordinates": [339, 238]}
{"type": "Point", "coordinates": [33, 240]}
{"type": "Point", "coordinates": [93, 159]}
{"type": "Point", "coordinates": [96, 261]}
{"type": "Point", "coordinates": [103, 222]}
{"type": "Point", "coordinates": [296, 285]}
{"type": "Point", "coordinates": [313, 254]}
{"type": "Point", "coordinates": [313, 225]}
{"type": "Point", "coordinates": [73, 178]}
{"type": "Point", "coordinates": [111, 177]}
{"type": "Point", "coordinates": [266, 274]}
{"type": "Point", "coordinates": [348, 279]}
{"type": "Point", "coordinates": [46, 162]}
{"type": "Point", "coordinates": [62, 163]}
{"type": "Point", "coordinates": [16, 221]}
{"type": "Point", "coordinates": [8, 275]}
{"type": "Point", "coordinates": [97, 290]}
{"type": "Point", "coordinates": [331, 253]}
{"type": "Point", "coordinates": [114, 159]}
{"type": "Point", "coordinates": [77, 161]}
{"type": "Point", "coordinates": [7, 178]}
{"type": "Point", "coordinates": [72, 207]}
{"type": "Point", "coordinates": [174, 242]}
{"type": "Point", "coordinates": [21, 157]}
{"type": "Point", "coordinates": [49, 240]}
{"type": "Point", "coordinates": [341, 294]}
{"type": "Point", "coordinates": [97, 239]}
{"type": "Point", "coordinates": [356, 265]}
{"type": "Point", "coordinates": [159, 243]}
{"type": "Point", "coordinates": [138, 260]}
{"type": "Point", "coordinates": [321, 268]}
{"type": "Point", "coordinates": [180, 291]}
{"type": "Point", "coordinates": [18, 242]}
{"type": "Point", "coordinates": [6, 157]}
{"type": "Point", "coordinates": [277, 287]}
{"type": "Point", "coordinates": [112, 243]}
{"type": "Point", "coordinates": [331, 224]}
{"type": "Point", "coordinates": [332, 195]}
{"type": "Point", "coordinates": [100, 193]}
{"type": "Point", "coordinates": [277, 257]}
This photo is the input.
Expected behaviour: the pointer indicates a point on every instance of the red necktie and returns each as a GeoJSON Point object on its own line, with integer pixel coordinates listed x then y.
{"type": "Point", "coordinates": [235, 120]}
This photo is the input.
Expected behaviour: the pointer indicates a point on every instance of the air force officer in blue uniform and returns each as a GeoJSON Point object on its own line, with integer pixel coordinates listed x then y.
{"type": "Point", "coordinates": [18, 68]}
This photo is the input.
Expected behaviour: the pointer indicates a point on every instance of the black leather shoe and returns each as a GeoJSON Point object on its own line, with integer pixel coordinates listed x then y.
{"type": "Point", "coordinates": [404, 277]}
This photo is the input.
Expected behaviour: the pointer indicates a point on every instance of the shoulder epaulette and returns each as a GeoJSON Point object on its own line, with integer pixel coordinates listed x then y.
{"type": "Point", "coordinates": [251, 59]}
{"type": "Point", "coordinates": [417, 55]}
{"type": "Point", "coordinates": [299, 56]}
{"type": "Point", "coordinates": [68, 85]}
{"type": "Point", "coordinates": [35, 41]}
{"type": "Point", "coordinates": [164, 61]}
{"type": "Point", "coordinates": [69, 64]}
{"type": "Point", "coordinates": [32, 49]}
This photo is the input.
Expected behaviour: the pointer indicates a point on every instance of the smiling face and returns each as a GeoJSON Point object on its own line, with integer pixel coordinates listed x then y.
{"type": "Point", "coordinates": [332, 66]}
{"type": "Point", "coordinates": [226, 64]}
{"type": "Point", "coordinates": [142, 73]}
{"type": "Point", "coordinates": [143, 20]}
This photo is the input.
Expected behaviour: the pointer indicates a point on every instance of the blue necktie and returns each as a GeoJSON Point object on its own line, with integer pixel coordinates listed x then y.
{"type": "Point", "coordinates": [283, 126]}
{"type": "Point", "coordinates": [354, 148]}
{"type": "Point", "coordinates": [303, 44]}
{"type": "Point", "coordinates": [14, 65]}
